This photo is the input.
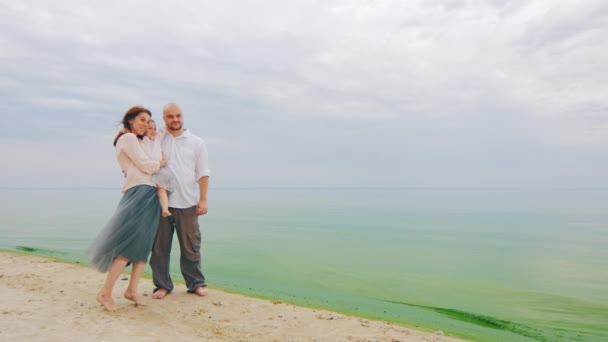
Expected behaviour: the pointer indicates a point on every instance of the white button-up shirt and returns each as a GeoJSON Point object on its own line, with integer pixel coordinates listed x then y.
{"type": "Point", "coordinates": [188, 159]}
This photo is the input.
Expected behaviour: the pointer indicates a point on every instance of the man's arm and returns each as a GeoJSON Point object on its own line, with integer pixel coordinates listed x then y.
{"type": "Point", "coordinates": [202, 173]}
{"type": "Point", "coordinates": [203, 185]}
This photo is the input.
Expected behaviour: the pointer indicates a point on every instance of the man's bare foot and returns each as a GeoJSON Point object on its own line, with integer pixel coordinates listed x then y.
{"type": "Point", "coordinates": [106, 301]}
{"type": "Point", "coordinates": [201, 291]}
{"type": "Point", "coordinates": [160, 293]}
{"type": "Point", "coordinates": [135, 298]}
{"type": "Point", "coordinates": [166, 213]}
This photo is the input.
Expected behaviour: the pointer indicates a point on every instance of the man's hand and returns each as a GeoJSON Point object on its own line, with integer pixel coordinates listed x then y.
{"type": "Point", "coordinates": [201, 207]}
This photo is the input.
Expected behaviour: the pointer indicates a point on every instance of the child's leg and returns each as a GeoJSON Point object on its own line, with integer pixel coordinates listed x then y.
{"type": "Point", "coordinates": [164, 201]}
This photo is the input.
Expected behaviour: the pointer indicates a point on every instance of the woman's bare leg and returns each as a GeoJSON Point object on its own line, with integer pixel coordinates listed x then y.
{"type": "Point", "coordinates": [164, 201]}
{"type": "Point", "coordinates": [131, 293]}
{"type": "Point", "coordinates": [105, 295]}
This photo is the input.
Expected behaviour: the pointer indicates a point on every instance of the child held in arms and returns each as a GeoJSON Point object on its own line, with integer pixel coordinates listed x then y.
{"type": "Point", "coordinates": [164, 178]}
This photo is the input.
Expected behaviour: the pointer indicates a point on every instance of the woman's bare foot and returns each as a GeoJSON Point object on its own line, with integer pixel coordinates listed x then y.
{"type": "Point", "coordinates": [166, 213]}
{"type": "Point", "coordinates": [160, 293]}
{"type": "Point", "coordinates": [135, 298]}
{"type": "Point", "coordinates": [106, 301]}
{"type": "Point", "coordinates": [201, 291]}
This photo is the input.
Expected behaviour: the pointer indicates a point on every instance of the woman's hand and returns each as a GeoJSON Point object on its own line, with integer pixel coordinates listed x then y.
{"type": "Point", "coordinates": [163, 162]}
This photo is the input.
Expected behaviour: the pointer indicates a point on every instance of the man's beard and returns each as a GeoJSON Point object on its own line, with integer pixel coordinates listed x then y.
{"type": "Point", "coordinates": [175, 129]}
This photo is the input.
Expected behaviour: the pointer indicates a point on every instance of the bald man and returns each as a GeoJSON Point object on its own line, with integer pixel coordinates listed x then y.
{"type": "Point", "coordinates": [187, 157]}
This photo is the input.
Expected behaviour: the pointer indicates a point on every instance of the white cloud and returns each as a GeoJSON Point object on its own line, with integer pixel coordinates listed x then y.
{"type": "Point", "coordinates": [530, 70]}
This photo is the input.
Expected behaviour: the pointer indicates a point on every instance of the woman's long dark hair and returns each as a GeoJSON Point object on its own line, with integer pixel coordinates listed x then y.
{"type": "Point", "coordinates": [131, 114]}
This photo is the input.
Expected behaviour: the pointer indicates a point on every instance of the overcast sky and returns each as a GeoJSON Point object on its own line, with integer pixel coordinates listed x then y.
{"type": "Point", "coordinates": [313, 93]}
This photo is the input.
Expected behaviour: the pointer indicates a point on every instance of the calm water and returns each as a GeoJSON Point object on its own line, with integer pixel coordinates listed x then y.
{"type": "Point", "coordinates": [488, 265]}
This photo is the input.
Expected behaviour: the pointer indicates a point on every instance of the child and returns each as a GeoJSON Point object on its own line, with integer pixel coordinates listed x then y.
{"type": "Point", "coordinates": [164, 178]}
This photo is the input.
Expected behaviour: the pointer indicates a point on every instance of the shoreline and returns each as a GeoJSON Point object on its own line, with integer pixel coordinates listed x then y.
{"type": "Point", "coordinates": [47, 299]}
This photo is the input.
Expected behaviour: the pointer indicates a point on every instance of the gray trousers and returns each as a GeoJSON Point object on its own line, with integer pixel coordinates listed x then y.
{"type": "Point", "coordinates": [184, 222]}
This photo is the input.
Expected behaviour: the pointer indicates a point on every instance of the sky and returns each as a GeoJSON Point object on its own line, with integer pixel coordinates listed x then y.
{"type": "Point", "coordinates": [427, 93]}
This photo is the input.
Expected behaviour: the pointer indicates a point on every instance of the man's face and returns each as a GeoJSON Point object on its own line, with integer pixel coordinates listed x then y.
{"type": "Point", "coordinates": [173, 118]}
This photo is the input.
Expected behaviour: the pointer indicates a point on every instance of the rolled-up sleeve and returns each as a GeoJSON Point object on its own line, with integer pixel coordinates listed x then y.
{"type": "Point", "coordinates": [202, 161]}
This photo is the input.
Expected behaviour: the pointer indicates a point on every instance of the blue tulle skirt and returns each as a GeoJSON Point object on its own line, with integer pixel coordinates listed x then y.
{"type": "Point", "coordinates": [130, 232]}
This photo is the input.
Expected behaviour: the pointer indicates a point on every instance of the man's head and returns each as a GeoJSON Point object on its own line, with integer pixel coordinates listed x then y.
{"type": "Point", "coordinates": [172, 114]}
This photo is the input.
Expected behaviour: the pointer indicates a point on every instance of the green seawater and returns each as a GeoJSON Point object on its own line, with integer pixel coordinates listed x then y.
{"type": "Point", "coordinates": [482, 264]}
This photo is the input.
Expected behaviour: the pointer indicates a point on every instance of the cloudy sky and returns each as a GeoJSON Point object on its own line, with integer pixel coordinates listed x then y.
{"type": "Point", "coordinates": [421, 93]}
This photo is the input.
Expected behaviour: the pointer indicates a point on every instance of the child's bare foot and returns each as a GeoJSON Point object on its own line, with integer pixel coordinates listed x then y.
{"type": "Point", "coordinates": [135, 298]}
{"type": "Point", "coordinates": [166, 213]}
{"type": "Point", "coordinates": [106, 301]}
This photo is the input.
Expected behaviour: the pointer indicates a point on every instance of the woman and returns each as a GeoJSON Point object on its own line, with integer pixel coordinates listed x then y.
{"type": "Point", "coordinates": [129, 235]}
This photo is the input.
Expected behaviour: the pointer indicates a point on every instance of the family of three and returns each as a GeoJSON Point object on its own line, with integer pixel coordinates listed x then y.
{"type": "Point", "coordinates": [174, 161]}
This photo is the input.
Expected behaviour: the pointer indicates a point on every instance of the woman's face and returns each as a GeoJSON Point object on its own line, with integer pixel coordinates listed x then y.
{"type": "Point", "coordinates": [139, 124]}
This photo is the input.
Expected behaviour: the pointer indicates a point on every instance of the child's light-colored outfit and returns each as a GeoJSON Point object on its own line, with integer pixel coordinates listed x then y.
{"type": "Point", "coordinates": [164, 178]}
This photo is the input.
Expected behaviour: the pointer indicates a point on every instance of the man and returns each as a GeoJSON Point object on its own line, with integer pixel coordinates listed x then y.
{"type": "Point", "coordinates": [187, 157]}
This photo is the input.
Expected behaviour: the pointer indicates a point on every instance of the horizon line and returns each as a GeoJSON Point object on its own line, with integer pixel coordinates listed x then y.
{"type": "Point", "coordinates": [404, 187]}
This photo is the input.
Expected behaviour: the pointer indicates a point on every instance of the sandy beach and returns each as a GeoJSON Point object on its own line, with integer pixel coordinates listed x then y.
{"type": "Point", "coordinates": [47, 300]}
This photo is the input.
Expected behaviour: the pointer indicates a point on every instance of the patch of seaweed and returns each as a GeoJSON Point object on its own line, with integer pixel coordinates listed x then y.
{"type": "Point", "coordinates": [49, 253]}
{"type": "Point", "coordinates": [27, 249]}
{"type": "Point", "coordinates": [482, 320]}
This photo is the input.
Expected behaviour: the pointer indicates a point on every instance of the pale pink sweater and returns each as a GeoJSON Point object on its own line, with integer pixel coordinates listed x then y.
{"type": "Point", "coordinates": [134, 161]}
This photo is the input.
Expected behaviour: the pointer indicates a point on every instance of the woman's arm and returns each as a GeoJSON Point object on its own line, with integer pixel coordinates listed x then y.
{"type": "Point", "coordinates": [129, 144]}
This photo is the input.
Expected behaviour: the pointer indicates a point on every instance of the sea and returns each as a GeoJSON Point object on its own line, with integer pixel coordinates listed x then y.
{"type": "Point", "coordinates": [483, 264]}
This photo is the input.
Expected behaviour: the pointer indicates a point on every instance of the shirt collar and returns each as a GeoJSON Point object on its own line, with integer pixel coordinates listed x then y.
{"type": "Point", "coordinates": [184, 134]}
